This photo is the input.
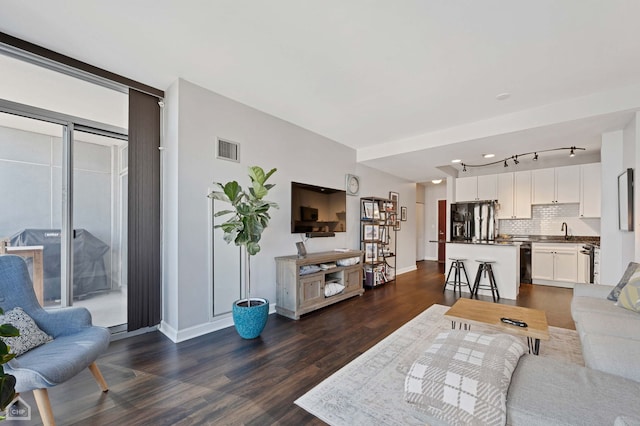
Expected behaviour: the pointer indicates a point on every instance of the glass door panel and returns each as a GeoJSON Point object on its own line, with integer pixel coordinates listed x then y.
{"type": "Point", "coordinates": [99, 218]}
{"type": "Point", "coordinates": [30, 190]}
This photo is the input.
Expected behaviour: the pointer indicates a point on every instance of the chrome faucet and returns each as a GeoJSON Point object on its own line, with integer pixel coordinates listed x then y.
{"type": "Point", "coordinates": [565, 228]}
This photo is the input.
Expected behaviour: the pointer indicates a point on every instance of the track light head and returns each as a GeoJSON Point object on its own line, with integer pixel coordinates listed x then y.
{"type": "Point", "coordinates": [505, 163]}
{"type": "Point", "coordinates": [464, 167]}
{"type": "Point", "coordinates": [572, 153]}
{"type": "Point", "coordinates": [535, 157]}
{"type": "Point", "coordinates": [515, 160]}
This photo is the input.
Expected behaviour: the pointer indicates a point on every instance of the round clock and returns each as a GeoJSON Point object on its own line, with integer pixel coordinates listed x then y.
{"type": "Point", "coordinates": [353, 184]}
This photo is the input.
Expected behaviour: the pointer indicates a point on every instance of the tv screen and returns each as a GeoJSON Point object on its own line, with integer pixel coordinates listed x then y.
{"type": "Point", "coordinates": [317, 209]}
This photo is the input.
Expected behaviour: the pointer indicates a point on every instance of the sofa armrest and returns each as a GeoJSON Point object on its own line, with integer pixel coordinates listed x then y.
{"type": "Point", "coordinates": [592, 290]}
{"type": "Point", "coordinates": [62, 321]}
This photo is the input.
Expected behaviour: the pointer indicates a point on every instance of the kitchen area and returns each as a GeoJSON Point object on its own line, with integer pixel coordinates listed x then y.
{"type": "Point", "coordinates": [538, 226]}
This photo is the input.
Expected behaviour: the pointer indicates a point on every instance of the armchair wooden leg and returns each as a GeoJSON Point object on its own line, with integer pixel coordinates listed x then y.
{"type": "Point", "coordinates": [44, 407]}
{"type": "Point", "coordinates": [93, 367]}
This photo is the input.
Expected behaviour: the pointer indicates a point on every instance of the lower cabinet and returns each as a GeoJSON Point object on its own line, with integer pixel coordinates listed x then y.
{"type": "Point", "coordinates": [302, 286]}
{"type": "Point", "coordinates": [554, 264]}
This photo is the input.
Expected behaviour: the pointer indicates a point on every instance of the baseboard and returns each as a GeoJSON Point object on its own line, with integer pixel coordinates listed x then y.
{"type": "Point", "coordinates": [405, 270]}
{"type": "Point", "coordinates": [216, 323]}
{"type": "Point", "coordinates": [431, 258]}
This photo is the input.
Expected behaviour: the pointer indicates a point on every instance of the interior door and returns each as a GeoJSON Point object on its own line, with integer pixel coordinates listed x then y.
{"type": "Point", "coordinates": [442, 230]}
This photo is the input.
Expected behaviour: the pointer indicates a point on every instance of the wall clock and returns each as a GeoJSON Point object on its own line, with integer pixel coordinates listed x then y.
{"type": "Point", "coordinates": [353, 184]}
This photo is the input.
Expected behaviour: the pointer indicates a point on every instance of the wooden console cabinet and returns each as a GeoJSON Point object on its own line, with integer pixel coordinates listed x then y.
{"type": "Point", "coordinates": [299, 294]}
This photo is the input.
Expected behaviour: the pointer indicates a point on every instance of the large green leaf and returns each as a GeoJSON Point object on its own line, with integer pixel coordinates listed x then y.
{"type": "Point", "coordinates": [7, 330]}
{"type": "Point", "coordinates": [7, 390]}
{"type": "Point", "coordinates": [223, 212]}
{"type": "Point", "coordinates": [232, 190]}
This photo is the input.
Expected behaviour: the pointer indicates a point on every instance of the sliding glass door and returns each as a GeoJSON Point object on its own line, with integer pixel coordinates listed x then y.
{"type": "Point", "coordinates": [64, 188]}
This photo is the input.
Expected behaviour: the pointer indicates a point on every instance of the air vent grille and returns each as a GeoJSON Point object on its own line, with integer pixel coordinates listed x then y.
{"type": "Point", "coordinates": [228, 150]}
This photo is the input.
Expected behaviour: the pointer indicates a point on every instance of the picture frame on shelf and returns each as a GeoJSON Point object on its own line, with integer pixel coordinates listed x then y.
{"type": "Point", "coordinates": [367, 209]}
{"type": "Point", "coordinates": [395, 200]}
{"type": "Point", "coordinates": [384, 235]}
{"type": "Point", "coordinates": [376, 211]}
{"type": "Point", "coordinates": [403, 213]}
{"type": "Point", "coordinates": [371, 232]}
{"type": "Point", "coordinates": [371, 252]}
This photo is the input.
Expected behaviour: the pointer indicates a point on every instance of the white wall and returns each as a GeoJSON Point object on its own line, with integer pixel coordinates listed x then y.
{"type": "Point", "coordinates": [618, 248]}
{"type": "Point", "coordinates": [194, 118]}
{"type": "Point", "coordinates": [433, 193]}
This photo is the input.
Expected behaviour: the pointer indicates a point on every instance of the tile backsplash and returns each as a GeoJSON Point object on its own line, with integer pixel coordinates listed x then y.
{"type": "Point", "coordinates": [547, 220]}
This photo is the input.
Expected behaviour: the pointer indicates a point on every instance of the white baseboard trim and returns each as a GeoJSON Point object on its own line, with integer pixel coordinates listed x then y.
{"type": "Point", "coordinates": [431, 258]}
{"type": "Point", "coordinates": [215, 324]}
{"type": "Point", "coordinates": [405, 270]}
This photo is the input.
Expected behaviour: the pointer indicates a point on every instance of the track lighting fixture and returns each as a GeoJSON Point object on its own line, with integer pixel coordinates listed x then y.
{"type": "Point", "coordinates": [572, 153]}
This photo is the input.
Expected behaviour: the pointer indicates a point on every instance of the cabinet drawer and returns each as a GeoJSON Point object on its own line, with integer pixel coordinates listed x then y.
{"type": "Point", "coordinates": [311, 290]}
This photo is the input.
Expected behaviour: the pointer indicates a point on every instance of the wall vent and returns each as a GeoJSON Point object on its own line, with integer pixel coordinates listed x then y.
{"type": "Point", "coordinates": [228, 150]}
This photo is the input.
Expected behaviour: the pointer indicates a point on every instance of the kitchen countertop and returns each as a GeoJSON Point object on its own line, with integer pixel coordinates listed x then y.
{"type": "Point", "coordinates": [511, 240]}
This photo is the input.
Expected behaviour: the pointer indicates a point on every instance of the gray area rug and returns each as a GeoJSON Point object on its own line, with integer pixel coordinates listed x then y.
{"type": "Point", "coordinates": [370, 389]}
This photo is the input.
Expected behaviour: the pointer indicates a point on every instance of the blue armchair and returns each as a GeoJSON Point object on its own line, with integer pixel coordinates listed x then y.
{"type": "Point", "coordinates": [76, 343]}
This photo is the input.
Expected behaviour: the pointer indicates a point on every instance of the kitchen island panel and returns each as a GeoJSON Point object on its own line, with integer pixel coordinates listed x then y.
{"type": "Point", "coordinates": [506, 268]}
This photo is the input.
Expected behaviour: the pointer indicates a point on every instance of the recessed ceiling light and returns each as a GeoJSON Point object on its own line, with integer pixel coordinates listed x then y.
{"type": "Point", "coordinates": [456, 161]}
{"type": "Point", "coordinates": [436, 181]}
{"type": "Point", "coordinates": [503, 96]}
{"type": "Point", "coordinates": [488, 155]}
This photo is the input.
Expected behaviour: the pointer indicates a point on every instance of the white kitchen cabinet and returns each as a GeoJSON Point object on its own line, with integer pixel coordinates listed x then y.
{"type": "Point", "coordinates": [554, 264]}
{"type": "Point", "coordinates": [476, 188]}
{"type": "Point", "coordinates": [514, 195]}
{"type": "Point", "coordinates": [557, 185]}
{"type": "Point", "coordinates": [590, 190]}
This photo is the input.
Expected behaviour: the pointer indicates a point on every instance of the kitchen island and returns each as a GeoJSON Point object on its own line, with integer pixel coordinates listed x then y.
{"type": "Point", "coordinates": [506, 268]}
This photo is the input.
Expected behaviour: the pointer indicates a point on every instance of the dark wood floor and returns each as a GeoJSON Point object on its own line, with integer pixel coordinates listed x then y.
{"type": "Point", "coordinates": [221, 379]}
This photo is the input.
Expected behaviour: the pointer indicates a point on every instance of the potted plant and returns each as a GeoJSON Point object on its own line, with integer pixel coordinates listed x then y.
{"type": "Point", "coordinates": [250, 217]}
{"type": "Point", "coordinates": [7, 381]}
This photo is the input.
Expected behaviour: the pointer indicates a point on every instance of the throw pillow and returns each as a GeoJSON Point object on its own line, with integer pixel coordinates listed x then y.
{"type": "Point", "coordinates": [629, 297]}
{"type": "Point", "coordinates": [626, 277]}
{"type": "Point", "coordinates": [331, 289]}
{"type": "Point", "coordinates": [464, 376]}
{"type": "Point", "coordinates": [30, 334]}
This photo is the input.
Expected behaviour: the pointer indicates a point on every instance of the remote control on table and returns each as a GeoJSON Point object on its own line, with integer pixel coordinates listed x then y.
{"type": "Point", "coordinates": [514, 322]}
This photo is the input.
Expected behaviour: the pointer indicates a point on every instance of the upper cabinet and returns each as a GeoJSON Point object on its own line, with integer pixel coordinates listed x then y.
{"type": "Point", "coordinates": [557, 185]}
{"type": "Point", "coordinates": [476, 188]}
{"type": "Point", "coordinates": [514, 195]}
{"type": "Point", "coordinates": [590, 190]}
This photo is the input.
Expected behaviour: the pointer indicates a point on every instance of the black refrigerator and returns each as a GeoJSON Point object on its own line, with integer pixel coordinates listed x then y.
{"type": "Point", "coordinates": [473, 222]}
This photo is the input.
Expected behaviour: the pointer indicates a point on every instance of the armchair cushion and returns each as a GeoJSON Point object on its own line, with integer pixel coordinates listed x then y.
{"type": "Point", "coordinates": [30, 335]}
{"type": "Point", "coordinates": [58, 361]}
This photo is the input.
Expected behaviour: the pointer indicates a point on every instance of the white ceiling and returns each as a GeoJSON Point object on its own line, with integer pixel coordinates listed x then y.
{"type": "Point", "coordinates": [410, 84]}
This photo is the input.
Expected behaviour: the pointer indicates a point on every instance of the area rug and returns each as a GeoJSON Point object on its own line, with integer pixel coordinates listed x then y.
{"type": "Point", "coordinates": [370, 389]}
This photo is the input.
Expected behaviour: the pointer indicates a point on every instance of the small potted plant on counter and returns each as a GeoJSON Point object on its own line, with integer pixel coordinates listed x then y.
{"type": "Point", "coordinates": [250, 217]}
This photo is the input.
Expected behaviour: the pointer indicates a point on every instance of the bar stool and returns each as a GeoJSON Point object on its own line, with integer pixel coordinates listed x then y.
{"type": "Point", "coordinates": [457, 265]}
{"type": "Point", "coordinates": [485, 266]}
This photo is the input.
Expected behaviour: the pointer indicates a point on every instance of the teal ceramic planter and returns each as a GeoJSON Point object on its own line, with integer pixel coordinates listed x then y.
{"type": "Point", "coordinates": [250, 321]}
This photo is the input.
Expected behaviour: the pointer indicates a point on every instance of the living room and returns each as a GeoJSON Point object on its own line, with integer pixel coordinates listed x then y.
{"type": "Point", "coordinates": [287, 133]}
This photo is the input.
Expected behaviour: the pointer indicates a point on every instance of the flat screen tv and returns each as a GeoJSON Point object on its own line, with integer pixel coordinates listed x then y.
{"type": "Point", "coordinates": [316, 209]}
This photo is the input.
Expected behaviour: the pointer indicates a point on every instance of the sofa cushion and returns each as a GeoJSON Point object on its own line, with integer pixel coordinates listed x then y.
{"type": "Point", "coordinates": [549, 392]}
{"type": "Point", "coordinates": [629, 274]}
{"type": "Point", "coordinates": [629, 297]}
{"type": "Point", "coordinates": [463, 377]}
{"type": "Point", "coordinates": [611, 354]}
{"type": "Point", "coordinates": [30, 334]}
{"type": "Point", "coordinates": [587, 306]}
{"type": "Point", "coordinates": [609, 325]}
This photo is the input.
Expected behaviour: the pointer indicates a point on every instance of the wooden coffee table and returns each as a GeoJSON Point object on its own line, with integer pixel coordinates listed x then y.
{"type": "Point", "coordinates": [470, 311]}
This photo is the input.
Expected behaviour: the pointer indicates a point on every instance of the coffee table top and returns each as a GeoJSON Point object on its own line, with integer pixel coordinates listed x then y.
{"type": "Point", "coordinates": [472, 310]}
